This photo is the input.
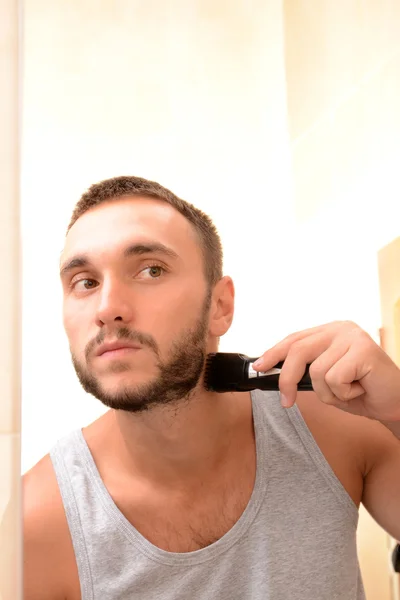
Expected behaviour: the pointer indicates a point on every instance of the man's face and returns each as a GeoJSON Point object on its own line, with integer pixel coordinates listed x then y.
{"type": "Point", "coordinates": [132, 273]}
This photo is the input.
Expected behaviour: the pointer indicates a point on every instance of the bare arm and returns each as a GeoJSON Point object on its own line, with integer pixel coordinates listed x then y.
{"type": "Point", "coordinates": [363, 453]}
{"type": "Point", "coordinates": [40, 558]}
{"type": "Point", "coordinates": [381, 494]}
{"type": "Point", "coordinates": [50, 571]}
{"type": "Point", "coordinates": [38, 555]}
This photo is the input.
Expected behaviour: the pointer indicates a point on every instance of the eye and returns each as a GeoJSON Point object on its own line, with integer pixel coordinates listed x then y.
{"type": "Point", "coordinates": [84, 285]}
{"type": "Point", "coordinates": [155, 271]}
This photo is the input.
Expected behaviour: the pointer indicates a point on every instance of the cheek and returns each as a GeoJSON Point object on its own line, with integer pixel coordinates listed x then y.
{"type": "Point", "coordinates": [169, 316]}
{"type": "Point", "coordinates": [176, 306]}
{"type": "Point", "coordinates": [75, 328]}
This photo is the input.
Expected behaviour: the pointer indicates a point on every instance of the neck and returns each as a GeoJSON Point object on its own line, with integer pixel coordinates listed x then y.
{"type": "Point", "coordinates": [183, 445]}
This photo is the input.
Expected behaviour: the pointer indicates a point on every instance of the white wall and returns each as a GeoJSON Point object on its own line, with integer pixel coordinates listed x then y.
{"type": "Point", "coordinates": [191, 94]}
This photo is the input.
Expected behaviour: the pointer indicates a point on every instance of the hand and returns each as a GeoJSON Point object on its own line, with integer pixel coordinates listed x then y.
{"type": "Point", "coordinates": [348, 370]}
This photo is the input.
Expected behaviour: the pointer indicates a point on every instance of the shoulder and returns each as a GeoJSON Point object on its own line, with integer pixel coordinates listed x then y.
{"type": "Point", "coordinates": [350, 444]}
{"type": "Point", "coordinates": [49, 561]}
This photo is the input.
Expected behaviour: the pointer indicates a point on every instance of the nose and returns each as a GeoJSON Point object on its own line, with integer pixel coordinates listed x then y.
{"type": "Point", "coordinates": [114, 304]}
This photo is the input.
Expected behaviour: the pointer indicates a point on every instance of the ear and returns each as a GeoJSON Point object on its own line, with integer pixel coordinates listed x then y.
{"type": "Point", "coordinates": [222, 307]}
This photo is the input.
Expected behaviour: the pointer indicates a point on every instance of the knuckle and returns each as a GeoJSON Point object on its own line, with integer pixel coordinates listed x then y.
{"type": "Point", "coordinates": [362, 335]}
{"type": "Point", "coordinates": [345, 394]}
{"type": "Point", "coordinates": [330, 378]}
{"type": "Point", "coordinates": [291, 339]}
{"type": "Point", "coordinates": [350, 325]}
{"type": "Point", "coordinates": [316, 370]}
{"type": "Point", "coordinates": [337, 323]}
{"type": "Point", "coordinates": [297, 347]}
{"type": "Point", "coordinates": [284, 380]}
{"type": "Point", "coordinates": [287, 383]}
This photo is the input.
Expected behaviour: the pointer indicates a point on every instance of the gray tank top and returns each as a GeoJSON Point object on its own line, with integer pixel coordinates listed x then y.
{"type": "Point", "coordinates": [296, 539]}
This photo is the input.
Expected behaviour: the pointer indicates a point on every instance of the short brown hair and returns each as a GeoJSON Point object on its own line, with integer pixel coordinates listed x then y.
{"type": "Point", "coordinates": [118, 187]}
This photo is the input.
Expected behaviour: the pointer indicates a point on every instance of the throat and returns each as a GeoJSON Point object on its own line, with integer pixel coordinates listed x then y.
{"type": "Point", "coordinates": [186, 526]}
{"type": "Point", "coordinates": [180, 510]}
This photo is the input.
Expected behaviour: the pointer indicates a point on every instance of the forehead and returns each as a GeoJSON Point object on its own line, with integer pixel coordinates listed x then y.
{"type": "Point", "coordinates": [116, 224]}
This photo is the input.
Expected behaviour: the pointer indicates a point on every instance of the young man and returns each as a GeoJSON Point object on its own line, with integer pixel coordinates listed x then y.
{"type": "Point", "coordinates": [178, 492]}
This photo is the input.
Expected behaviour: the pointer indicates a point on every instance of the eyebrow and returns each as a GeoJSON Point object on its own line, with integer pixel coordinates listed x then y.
{"type": "Point", "coordinates": [133, 250]}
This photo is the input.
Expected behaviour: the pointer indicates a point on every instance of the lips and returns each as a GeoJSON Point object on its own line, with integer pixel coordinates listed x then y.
{"type": "Point", "coordinates": [120, 345]}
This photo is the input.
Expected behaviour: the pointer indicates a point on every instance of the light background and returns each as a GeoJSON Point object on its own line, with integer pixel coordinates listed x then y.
{"type": "Point", "coordinates": [279, 119]}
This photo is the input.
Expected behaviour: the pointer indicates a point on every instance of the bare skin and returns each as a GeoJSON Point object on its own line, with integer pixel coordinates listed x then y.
{"type": "Point", "coordinates": [182, 449]}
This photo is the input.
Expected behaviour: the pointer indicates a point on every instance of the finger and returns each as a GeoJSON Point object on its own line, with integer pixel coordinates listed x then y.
{"type": "Point", "coordinates": [342, 377]}
{"type": "Point", "coordinates": [280, 351]}
{"type": "Point", "coordinates": [322, 366]}
{"type": "Point", "coordinates": [355, 407]}
{"type": "Point", "coordinates": [301, 353]}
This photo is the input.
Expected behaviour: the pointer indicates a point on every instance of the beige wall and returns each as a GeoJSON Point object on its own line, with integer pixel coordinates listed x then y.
{"type": "Point", "coordinates": [10, 314]}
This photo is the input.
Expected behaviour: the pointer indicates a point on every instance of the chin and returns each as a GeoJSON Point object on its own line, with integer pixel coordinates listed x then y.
{"type": "Point", "coordinates": [117, 384]}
